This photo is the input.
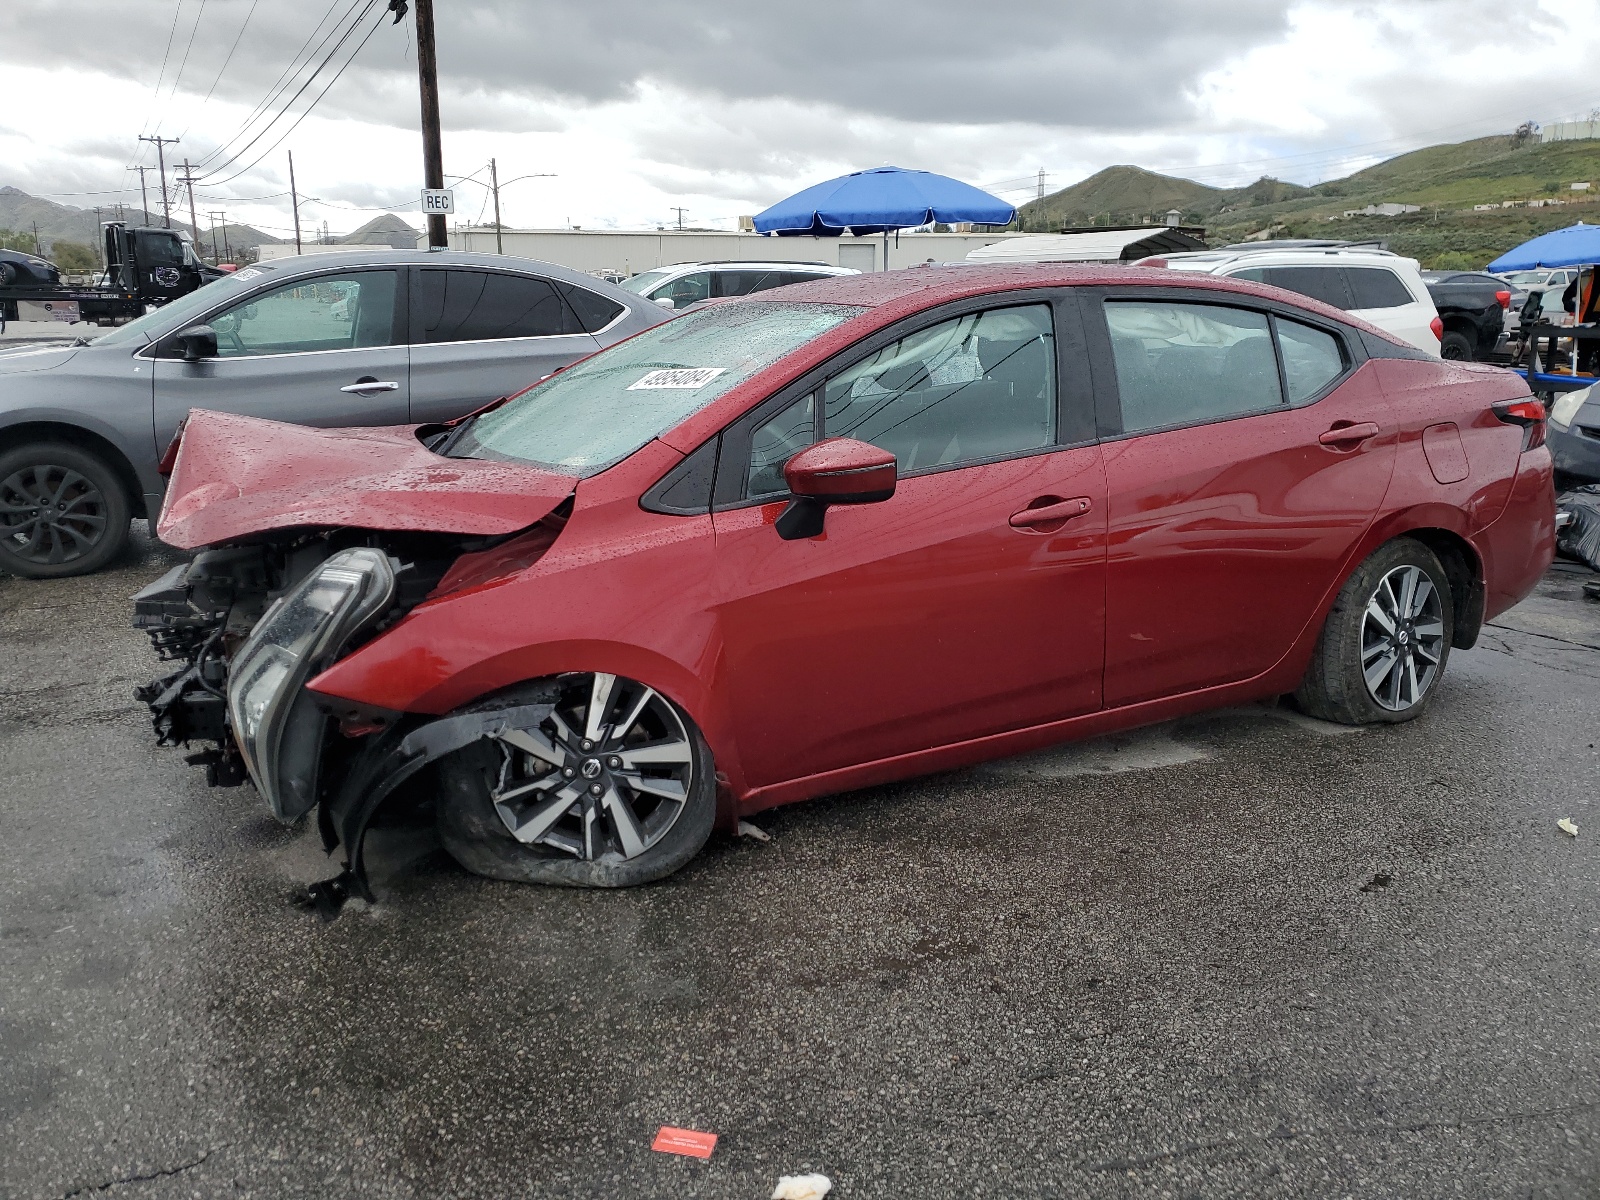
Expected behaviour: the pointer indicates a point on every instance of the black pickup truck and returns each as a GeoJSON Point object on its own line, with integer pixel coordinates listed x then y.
{"type": "Point", "coordinates": [1473, 307]}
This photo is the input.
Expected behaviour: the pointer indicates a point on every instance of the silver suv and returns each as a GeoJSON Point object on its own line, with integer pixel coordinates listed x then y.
{"type": "Point", "coordinates": [380, 337]}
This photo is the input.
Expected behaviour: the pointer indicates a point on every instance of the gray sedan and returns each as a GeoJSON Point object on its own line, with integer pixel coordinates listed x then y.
{"type": "Point", "coordinates": [380, 337]}
{"type": "Point", "coordinates": [1574, 436]}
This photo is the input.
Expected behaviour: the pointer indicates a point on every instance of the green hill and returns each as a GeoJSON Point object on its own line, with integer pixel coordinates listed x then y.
{"type": "Point", "coordinates": [1446, 180]}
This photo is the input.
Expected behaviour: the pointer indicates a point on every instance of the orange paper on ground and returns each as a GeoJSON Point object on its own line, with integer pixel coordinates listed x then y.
{"type": "Point", "coordinates": [695, 1144]}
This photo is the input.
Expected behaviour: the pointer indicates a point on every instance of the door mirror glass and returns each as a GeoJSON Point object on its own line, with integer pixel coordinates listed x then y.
{"type": "Point", "coordinates": [836, 471]}
{"type": "Point", "coordinates": [197, 342]}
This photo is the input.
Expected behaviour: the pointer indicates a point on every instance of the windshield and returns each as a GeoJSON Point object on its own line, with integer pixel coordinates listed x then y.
{"type": "Point", "coordinates": [602, 409]}
{"type": "Point", "coordinates": [175, 314]}
{"type": "Point", "coordinates": [640, 284]}
{"type": "Point", "coordinates": [1526, 278]}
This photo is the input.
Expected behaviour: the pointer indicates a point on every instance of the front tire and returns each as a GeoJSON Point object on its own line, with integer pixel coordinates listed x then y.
{"type": "Point", "coordinates": [63, 511]}
{"type": "Point", "coordinates": [1387, 639]}
{"type": "Point", "coordinates": [614, 788]}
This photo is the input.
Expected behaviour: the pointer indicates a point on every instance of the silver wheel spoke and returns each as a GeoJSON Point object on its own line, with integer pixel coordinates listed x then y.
{"type": "Point", "coordinates": [534, 743]}
{"type": "Point", "coordinates": [673, 753]}
{"type": "Point", "coordinates": [1419, 598]}
{"type": "Point", "coordinates": [1432, 629]}
{"type": "Point", "coordinates": [1379, 671]}
{"type": "Point", "coordinates": [621, 728]}
{"type": "Point", "coordinates": [1376, 613]}
{"type": "Point", "coordinates": [624, 822]}
{"type": "Point", "coordinates": [1408, 587]}
{"type": "Point", "coordinates": [670, 788]}
{"type": "Point", "coordinates": [1411, 681]}
{"type": "Point", "coordinates": [599, 705]}
{"type": "Point", "coordinates": [1372, 652]}
{"type": "Point", "coordinates": [543, 819]}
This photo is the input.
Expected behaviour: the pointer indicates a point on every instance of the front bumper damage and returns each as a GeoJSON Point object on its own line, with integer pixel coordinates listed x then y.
{"type": "Point", "coordinates": [246, 653]}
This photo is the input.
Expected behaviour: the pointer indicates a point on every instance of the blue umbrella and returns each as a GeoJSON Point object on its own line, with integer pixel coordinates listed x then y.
{"type": "Point", "coordinates": [879, 200]}
{"type": "Point", "coordinates": [1575, 246]}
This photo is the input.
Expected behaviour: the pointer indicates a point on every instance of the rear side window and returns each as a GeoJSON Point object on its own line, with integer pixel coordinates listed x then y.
{"type": "Point", "coordinates": [742, 283]}
{"type": "Point", "coordinates": [1375, 287]}
{"type": "Point", "coordinates": [476, 306]}
{"type": "Point", "coordinates": [1320, 283]}
{"type": "Point", "coordinates": [1186, 364]}
{"type": "Point", "coordinates": [1311, 359]}
{"type": "Point", "coordinates": [593, 312]}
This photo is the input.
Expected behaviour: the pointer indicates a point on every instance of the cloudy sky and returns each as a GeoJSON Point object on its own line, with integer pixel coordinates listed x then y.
{"type": "Point", "coordinates": [613, 112]}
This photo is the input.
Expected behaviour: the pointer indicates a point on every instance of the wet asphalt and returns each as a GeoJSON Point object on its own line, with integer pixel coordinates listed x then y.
{"type": "Point", "coordinates": [1243, 955]}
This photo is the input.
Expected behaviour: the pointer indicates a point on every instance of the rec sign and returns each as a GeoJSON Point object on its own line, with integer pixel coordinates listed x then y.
{"type": "Point", "coordinates": [438, 201]}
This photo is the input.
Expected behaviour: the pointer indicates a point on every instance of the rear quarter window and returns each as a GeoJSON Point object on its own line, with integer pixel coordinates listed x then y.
{"type": "Point", "coordinates": [1320, 283]}
{"type": "Point", "coordinates": [1376, 287]}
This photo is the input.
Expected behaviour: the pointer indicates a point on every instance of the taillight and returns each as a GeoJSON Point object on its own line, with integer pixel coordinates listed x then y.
{"type": "Point", "coordinates": [1504, 298]}
{"type": "Point", "coordinates": [1437, 325]}
{"type": "Point", "coordinates": [1528, 413]}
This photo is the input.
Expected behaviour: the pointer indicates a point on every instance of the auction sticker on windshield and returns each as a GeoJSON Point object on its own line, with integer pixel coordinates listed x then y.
{"type": "Point", "coordinates": [685, 378]}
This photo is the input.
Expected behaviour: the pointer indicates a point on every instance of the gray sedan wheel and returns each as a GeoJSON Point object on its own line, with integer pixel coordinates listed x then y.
{"type": "Point", "coordinates": [614, 788]}
{"type": "Point", "coordinates": [63, 511]}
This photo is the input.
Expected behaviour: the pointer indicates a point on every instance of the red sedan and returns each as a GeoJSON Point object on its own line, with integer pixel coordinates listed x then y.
{"type": "Point", "coordinates": [829, 536]}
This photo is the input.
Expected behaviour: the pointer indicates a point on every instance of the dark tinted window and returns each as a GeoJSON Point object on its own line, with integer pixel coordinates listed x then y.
{"type": "Point", "coordinates": [1183, 364]}
{"type": "Point", "coordinates": [473, 306]}
{"type": "Point", "coordinates": [977, 387]}
{"type": "Point", "coordinates": [594, 312]}
{"type": "Point", "coordinates": [1311, 359]}
{"type": "Point", "coordinates": [1320, 283]}
{"type": "Point", "coordinates": [1374, 287]}
{"type": "Point", "coordinates": [742, 283]}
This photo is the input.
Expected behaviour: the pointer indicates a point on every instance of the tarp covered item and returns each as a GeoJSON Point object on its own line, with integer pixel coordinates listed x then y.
{"type": "Point", "coordinates": [1575, 246]}
{"type": "Point", "coordinates": [1579, 538]}
{"type": "Point", "coordinates": [882, 199]}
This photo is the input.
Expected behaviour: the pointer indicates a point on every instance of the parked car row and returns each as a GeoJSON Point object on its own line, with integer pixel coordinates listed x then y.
{"type": "Point", "coordinates": [699, 573]}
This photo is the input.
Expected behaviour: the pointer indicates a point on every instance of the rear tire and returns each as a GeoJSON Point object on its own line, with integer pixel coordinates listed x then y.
{"type": "Point", "coordinates": [63, 511]}
{"type": "Point", "coordinates": [1456, 347]}
{"type": "Point", "coordinates": [574, 802]}
{"type": "Point", "coordinates": [1387, 639]}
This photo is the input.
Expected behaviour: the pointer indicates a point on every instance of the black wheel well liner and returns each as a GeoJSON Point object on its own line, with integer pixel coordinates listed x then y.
{"type": "Point", "coordinates": [1464, 570]}
{"type": "Point", "coordinates": [25, 432]}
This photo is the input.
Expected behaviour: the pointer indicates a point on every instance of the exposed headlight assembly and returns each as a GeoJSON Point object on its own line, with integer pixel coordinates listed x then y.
{"type": "Point", "coordinates": [279, 732]}
{"type": "Point", "coordinates": [1567, 405]}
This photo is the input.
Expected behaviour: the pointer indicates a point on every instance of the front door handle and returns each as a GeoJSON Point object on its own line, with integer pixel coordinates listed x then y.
{"type": "Point", "coordinates": [363, 386]}
{"type": "Point", "coordinates": [1051, 514]}
{"type": "Point", "coordinates": [1345, 433]}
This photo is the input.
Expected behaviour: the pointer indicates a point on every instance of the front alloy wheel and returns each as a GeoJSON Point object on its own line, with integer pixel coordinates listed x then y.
{"type": "Point", "coordinates": [63, 511]}
{"type": "Point", "coordinates": [614, 787]}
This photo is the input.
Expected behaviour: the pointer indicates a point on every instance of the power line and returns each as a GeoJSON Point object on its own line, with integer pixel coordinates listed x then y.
{"type": "Point", "coordinates": [315, 101]}
{"type": "Point", "coordinates": [155, 96]}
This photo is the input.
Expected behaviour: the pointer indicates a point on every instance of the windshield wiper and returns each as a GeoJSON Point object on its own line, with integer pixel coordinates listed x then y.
{"type": "Point", "coordinates": [454, 436]}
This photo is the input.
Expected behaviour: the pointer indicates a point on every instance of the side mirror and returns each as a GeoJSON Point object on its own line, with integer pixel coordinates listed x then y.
{"type": "Point", "coordinates": [197, 342]}
{"type": "Point", "coordinates": [667, 303]}
{"type": "Point", "coordinates": [837, 471]}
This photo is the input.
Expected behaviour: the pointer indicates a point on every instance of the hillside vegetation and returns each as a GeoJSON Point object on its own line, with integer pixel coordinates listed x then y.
{"type": "Point", "coordinates": [1445, 180]}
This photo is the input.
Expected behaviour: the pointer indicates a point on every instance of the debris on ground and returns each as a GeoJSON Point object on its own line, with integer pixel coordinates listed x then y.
{"type": "Point", "coordinates": [1579, 537]}
{"type": "Point", "coordinates": [802, 1187]}
{"type": "Point", "coordinates": [1591, 590]}
{"type": "Point", "coordinates": [750, 831]}
{"type": "Point", "coordinates": [1567, 826]}
{"type": "Point", "coordinates": [689, 1142]}
{"type": "Point", "coordinates": [1381, 880]}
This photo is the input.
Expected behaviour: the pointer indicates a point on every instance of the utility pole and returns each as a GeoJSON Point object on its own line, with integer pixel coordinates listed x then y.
{"type": "Point", "coordinates": [494, 182]}
{"type": "Point", "coordinates": [188, 178]}
{"type": "Point", "coordinates": [432, 148]}
{"type": "Point", "coordinates": [680, 212]}
{"type": "Point", "coordinates": [144, 197]}
{"type": "Point", "coordinates": [294, 199]}
{"type": "Point", "coordinates": [1040, 195]}
{"type": "Point", "coordinates": [216, 257]}
{"type": "Point", "coordinates": [161, 158]}
{"type": "Point", "coordinates": [37, 249]}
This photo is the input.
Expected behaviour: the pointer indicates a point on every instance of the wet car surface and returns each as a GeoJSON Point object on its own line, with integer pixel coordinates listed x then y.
{"type": "Point", "coordinates": [1244, 954]}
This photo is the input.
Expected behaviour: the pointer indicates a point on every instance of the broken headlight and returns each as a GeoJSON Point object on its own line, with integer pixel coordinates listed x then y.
{"type": "Point", "coordinates": [299, 635]}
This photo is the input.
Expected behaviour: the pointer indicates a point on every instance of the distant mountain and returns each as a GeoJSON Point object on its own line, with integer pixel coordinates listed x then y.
{"type": "Point", "coordinates": [385, 230]}
{"type": "Point", "coordinates": [24, 213]}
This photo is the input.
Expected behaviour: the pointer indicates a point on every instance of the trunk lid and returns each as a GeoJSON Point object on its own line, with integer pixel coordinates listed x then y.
{"type": "Point", "coordinates": [238, 475]}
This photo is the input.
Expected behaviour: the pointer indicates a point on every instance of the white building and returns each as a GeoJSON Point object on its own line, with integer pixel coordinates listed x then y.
{"type": "Point", "coordinates": [628, 252]}
{"type": "Point", "coordinates": [1569, 131]}
{"type": "Point", "coordinates": [1382, 210]}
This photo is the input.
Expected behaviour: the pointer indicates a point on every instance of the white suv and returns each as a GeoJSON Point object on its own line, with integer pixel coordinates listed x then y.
{"type": "Point", "coordinates": [679, 286]}
{"type": "Point", "coordinates": [1381, 288]}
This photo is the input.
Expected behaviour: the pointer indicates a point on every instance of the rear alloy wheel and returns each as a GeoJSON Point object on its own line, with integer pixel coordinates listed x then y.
{"type": "Point", "coordinates": [1455, 346]}
{"type": "Point", "coordinates": [63, 511]}
{"type": "Point", "coordinates": [1386, 641]}
{"type": "Point", "coordinates": [614, 788]}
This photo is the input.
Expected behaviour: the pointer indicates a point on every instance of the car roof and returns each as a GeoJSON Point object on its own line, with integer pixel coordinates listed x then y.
{"type": "Point", "coordinates": [821, 268]}
{"type": "Point", "coordinates": [383, 256]}
{"type": "Point", "coordinates": [1302, 256]}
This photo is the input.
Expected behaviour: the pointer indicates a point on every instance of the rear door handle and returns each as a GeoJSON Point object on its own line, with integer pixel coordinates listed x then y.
{"type": "Point", "coordinates": [370, 385]}
{"type": "Point", "coordinates": [1341, 435]}
{"type": "Point", "coordinates": [1050, 514]}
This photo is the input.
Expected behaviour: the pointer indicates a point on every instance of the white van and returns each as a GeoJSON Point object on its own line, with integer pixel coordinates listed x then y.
{"type": "Point", "coordinates": [1381, 288]}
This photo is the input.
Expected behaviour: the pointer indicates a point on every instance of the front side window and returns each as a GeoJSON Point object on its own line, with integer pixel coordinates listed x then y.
{"type": "Point", "coordinates": [774, 442]}
{"type": "Point", "coordinates": [1376, 287]}
{"type": "Point", "coordinates": [603, 408]}
{"type": "Point", "coordinates": [977, 387]}
{"type": "Point", "coordinates": [330, 312]}
{"type": "Point", "coordinates": [481, 306]}
{"type": "Point", "coordinates": [690, 289]}
{"type": "Point", "coordinates": [1185, 364]}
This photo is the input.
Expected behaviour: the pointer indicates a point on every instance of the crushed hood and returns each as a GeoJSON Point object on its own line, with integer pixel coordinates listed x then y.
{"type": "Point", "coordinates": [237, 476]}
